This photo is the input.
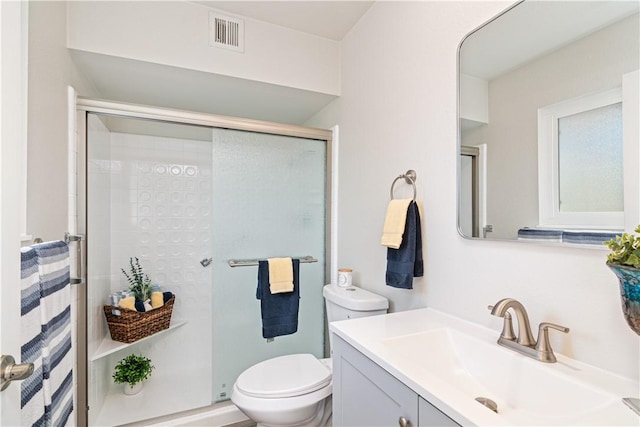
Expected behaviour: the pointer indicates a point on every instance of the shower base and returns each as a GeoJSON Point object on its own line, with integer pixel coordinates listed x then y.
{"type": "Point", "coordinates": [219, 414]}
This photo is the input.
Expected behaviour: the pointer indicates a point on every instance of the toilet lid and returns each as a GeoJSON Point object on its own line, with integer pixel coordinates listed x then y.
{"type": "Point", "coordinates": [284, 376]}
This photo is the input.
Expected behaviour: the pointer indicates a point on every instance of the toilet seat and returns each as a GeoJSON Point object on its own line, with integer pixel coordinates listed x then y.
{"type": "Point", "coordinates": [285, 376]}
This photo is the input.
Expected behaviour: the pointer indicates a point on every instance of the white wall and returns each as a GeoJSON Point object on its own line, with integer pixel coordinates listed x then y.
{"type": "Point", "coordinates": [398, 111]}
{"type": "Point", "coordinates": [50, 73]}
{"type": "Point", "coordinates": [176, 33]}
{"type": "Point", "coordinates": [474, 98]}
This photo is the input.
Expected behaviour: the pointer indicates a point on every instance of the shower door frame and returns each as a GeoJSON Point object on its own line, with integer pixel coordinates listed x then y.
{"type": "Point", "coordinates": [84, 106]}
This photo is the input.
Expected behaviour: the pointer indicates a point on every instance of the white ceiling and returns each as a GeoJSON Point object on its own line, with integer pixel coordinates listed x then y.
{"type": "Point", "coordinates": [328, 19]}
{"type": "Point", "coordinates": [533, 29]}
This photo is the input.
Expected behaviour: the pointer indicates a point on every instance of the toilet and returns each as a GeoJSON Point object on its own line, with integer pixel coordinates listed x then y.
{"type": "Point", "coordinates": [295, 390]}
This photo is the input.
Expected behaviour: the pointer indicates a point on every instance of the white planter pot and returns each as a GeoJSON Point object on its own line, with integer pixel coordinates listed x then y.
{"type": "Point", "coordinates": [131, 390]}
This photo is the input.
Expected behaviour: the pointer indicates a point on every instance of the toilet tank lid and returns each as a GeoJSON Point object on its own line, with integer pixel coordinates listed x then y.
{"type": "Point", "coordinates": [354, 298]}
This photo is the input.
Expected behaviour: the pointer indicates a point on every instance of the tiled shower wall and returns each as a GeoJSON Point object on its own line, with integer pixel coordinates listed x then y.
{"type": "Point", "coordinates": [150, 197]}
{"type": "Point", "coordinates": [161, 210]}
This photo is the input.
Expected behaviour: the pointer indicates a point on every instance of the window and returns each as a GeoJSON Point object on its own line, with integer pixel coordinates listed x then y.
{"type": "Point", "coordinates": [580, 162]}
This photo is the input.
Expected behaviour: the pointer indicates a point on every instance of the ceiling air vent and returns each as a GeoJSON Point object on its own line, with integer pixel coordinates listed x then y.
{"type": "Point", "coordinates": [226, 32]}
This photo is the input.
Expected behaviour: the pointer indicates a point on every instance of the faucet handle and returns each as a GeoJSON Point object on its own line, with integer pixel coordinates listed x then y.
{"type": "Point", "coordinates": [543, 346]}
{"type": "Point", "coordinates": [507, 326]}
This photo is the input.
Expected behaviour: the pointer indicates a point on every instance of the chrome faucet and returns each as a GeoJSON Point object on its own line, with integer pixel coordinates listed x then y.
{"type": "Point", "coordinates": [524, 342]}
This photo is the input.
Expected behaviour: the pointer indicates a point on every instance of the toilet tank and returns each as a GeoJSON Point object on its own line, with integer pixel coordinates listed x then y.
{"type": "Point", "coordinates": [352, 302]}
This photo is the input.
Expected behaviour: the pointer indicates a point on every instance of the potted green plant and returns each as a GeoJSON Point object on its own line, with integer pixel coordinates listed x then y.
{"type": "Point", "coordinates": [139, 282]}
{"type": "Point", "coordinates": [624, 261]}
{"type": "Point", "coordinates": [131, 371]}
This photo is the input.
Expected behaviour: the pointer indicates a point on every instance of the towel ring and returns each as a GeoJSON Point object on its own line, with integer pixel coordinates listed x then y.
{"type": "Point", "coordinates": [410, 178]}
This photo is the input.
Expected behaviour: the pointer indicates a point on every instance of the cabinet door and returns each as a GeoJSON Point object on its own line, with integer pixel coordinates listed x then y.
{"type": "Point", "coordinates": [430, 416]}
{"type": "Point", "coordinates": [364, 394]}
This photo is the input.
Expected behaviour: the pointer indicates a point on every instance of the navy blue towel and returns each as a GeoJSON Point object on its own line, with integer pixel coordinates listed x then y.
{"type": "Point", "coordinates": [405, 263]}
{"type": "Point", "coordinates": [279, 311]}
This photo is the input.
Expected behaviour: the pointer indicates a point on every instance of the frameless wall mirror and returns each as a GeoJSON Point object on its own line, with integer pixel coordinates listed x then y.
{"type": "Point", "coordinates": [548, 118]}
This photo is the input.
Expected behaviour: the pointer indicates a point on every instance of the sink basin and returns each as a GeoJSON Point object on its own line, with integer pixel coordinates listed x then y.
{"type": "Point", "coordinates": [524, 390]}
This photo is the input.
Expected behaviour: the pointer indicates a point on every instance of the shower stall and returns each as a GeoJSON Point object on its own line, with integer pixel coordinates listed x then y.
{"type": "Point", "coordinates": [188, 194]}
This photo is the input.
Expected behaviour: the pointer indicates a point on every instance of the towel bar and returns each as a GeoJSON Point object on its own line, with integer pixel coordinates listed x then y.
{"type": "Point", "coordinates": [410, 178]}
{"type": "Point", "coordinates": [250, 262]}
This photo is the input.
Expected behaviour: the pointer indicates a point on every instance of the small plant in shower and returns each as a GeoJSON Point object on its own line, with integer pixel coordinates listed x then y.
{"type": "Point", "coordinates": [131, 371]}
{"type": "Point", "coordinates": [139, 282]}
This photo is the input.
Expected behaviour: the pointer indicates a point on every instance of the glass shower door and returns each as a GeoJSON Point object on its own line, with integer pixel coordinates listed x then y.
{"type": "Point", "coordinates": [176, 196]}
{"type": "Point", "coordinates": [269, 200]}
{"type": "Point", "coordinates": [149, 196]}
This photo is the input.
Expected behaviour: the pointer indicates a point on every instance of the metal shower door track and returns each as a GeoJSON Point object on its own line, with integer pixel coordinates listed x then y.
{"type": "Point", "coordinates": [202, 119]}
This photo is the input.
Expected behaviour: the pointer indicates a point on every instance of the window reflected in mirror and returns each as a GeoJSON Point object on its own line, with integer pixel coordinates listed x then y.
{"type": "Point", "coordinates": [590, 161]}
{"type": "Point", "coordinates": [580, 148]}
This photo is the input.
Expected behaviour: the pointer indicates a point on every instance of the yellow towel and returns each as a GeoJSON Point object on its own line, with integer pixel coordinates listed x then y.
{"type": "Point", "coordinates": [280, 275]}
{"type": "Point", "coordinates": [129, 303]}
{"type": "Point", "coordinates": [394, 223]}
{"type": "Point", "coordinates": [156, 299]}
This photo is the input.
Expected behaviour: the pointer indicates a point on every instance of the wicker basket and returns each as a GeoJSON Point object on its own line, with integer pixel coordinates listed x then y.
{"type": "Point", "coordinates": [132, 326]}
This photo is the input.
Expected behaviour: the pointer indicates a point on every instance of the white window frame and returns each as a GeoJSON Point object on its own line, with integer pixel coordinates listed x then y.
{"type": "Point", "coordinates": [550, 215]}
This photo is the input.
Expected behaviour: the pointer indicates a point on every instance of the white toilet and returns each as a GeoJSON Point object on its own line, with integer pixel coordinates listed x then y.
{"type": "Point", "coordinates": [295, 390]}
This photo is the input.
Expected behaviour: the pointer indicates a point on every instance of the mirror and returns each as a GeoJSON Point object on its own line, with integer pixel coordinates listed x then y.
{"type": "Point", "coordinates": [540, 123]}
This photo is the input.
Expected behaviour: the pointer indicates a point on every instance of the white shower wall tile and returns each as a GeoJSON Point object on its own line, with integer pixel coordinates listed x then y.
{"type": "Point", "coordinates": [160, 212]}
{"type": "Point", "coordinates": [161, 207]}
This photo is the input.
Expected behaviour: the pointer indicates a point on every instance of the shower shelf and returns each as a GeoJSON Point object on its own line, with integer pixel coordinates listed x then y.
{"type": "Point", "coordinates": [109, 346]}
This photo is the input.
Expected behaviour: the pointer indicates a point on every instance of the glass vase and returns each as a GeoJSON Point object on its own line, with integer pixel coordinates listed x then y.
{"type": "Point", "coordinates": [629, 278]}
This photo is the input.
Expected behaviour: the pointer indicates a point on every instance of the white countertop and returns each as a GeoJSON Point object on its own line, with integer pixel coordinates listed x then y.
{"type": "Point", "coordinates": [371, 337]}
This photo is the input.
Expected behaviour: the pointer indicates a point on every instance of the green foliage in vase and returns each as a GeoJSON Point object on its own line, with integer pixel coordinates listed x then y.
{"type": "Point", "coordinates": [139, 282]}
{"type": "Point", "coordinates": [625, 249]}
{"type": "Point", "coordinates": [132, 370]}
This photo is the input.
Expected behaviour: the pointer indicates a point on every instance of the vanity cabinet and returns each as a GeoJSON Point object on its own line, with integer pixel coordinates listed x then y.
{"type": "Point", "coordinates": [429, 415]}
{"type": "Point", "coordinates": [364, 394]}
